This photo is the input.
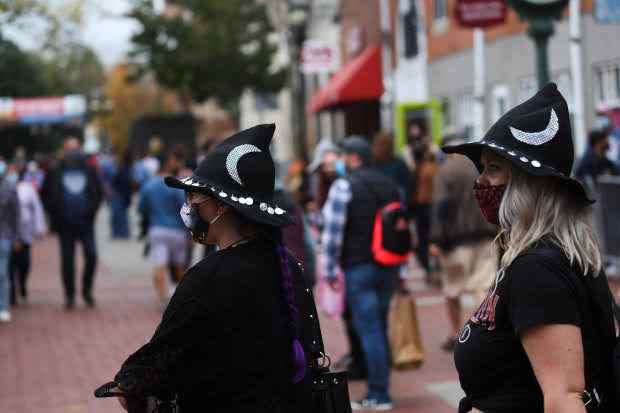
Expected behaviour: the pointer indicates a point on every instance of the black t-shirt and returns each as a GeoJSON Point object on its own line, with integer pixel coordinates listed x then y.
{"type": "Point", "coordinates": [539, 287]}
{"type": "Point", "coordinates": [223, 344]}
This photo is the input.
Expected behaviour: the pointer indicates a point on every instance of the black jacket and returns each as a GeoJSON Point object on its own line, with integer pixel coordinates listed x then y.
{"type": "Point", "coordinates": [52, 193]}
{"type": "Point", "coordinates": [370, 190]}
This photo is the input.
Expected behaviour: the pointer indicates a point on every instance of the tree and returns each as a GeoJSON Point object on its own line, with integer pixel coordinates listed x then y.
{"type": "Point", "coordinates": [56, 19]}
{"type": "Point", "coordinates": [210, 49]}
{"type": "Point", "coordinates": [19, 75]}
{"type": "Point", "coordinates": [131, 99]}
{"type": "Point", "coordinates": [73, 68]}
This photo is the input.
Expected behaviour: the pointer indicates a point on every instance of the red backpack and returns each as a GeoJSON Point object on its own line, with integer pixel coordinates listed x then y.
{"type": "Point", "coordinates": [391, 239]}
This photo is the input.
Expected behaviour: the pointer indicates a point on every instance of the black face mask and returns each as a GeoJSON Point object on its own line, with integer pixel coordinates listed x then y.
{"type": "Point", "coordinates": [198, 227]}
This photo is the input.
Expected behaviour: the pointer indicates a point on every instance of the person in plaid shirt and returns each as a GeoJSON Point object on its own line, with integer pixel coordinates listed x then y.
{"type": "Point", "coordinates": [348, 214]}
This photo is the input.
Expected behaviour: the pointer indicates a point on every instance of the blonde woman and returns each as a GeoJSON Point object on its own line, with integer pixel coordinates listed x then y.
{"type": "Point", "coordinates": [542, 340]}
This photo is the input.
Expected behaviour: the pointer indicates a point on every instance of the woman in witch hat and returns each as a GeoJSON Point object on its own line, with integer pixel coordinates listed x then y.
{"type": "Point", "coordinates": [241, 328]}
{"type": "Point", "coordinates": [543, 338]}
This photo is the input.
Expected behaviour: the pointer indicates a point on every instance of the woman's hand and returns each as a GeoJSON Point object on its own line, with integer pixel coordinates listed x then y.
{"type": "Point", "coordinates": [556, 355]}
{"type": "Point", "coordinates": [122, 401]}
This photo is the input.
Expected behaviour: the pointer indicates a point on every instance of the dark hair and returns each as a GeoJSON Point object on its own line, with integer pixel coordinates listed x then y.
{"type": "Point", "coordinates": [595, 136]}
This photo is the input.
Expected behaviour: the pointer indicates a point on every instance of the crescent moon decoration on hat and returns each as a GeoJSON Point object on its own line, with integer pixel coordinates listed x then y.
{"type": "Point", "coordinates": [538, 138]}
{"type": "Point", "coordinates": [233, 159]}
{"type": "Point", "coordinates": [535, 136]}
{"type": "Point", "coordinates": [240, 172]}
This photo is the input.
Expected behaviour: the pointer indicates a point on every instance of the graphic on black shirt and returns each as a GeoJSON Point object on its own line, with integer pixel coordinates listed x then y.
{"type": "Point", "coordinates": [485, 315]}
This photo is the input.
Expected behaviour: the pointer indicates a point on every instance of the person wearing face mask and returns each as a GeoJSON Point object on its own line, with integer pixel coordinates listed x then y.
{"type": "Point", "coordinates": [595, 162]}
{"type": "Point", "coordinates": [31, 225]}
{"type": "Point", "coordinates": [166, 234]}
{"type": "Point", "coordinates": [349, 215]}
{"type": "Point", "coordinates": [9, 205]}
{"type": "Point", "coordinates": [241, 332]}
{"type": "Point", "coordinates": [542, 340]}
{"type": "Point", "coordinates": [71, 194]}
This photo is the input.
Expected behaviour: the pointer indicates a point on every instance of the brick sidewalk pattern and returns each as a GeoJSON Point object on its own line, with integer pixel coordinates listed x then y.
{"type": "Point", "coordinates": [52, 360]}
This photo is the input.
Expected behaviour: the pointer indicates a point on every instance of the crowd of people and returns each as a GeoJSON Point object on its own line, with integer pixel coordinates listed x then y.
{"type": "Point", "coordinates": [481, 241]}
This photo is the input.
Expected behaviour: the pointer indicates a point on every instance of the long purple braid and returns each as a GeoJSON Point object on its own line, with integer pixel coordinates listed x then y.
{"type": "Point", "coordinates": [298, 356]}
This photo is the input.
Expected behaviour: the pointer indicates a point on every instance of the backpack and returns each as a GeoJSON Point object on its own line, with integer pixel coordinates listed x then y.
{"type": "Point", "coordinates": [391, 238]}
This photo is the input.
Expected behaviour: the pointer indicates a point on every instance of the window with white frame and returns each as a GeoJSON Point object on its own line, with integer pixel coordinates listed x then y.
{"type": "Point", "coordinates": [500, 101]}
{"type": "Point", "coordinates": [465, 114]}
{"type": "Point", "coordinates": [607, 84]}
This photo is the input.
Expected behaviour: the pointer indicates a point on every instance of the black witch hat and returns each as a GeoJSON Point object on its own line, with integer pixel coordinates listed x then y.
{"type": "Point", "coordinates": [535, 136]}
{"type": "Point", "coordinates": [240, 172]}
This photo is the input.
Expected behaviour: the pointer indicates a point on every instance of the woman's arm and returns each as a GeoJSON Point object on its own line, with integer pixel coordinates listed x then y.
{"type": "Point", "coordinates": [556, 355]}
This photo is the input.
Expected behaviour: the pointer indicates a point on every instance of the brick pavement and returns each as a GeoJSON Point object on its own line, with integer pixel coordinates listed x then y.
{"type": "Point", "coordinates": [52, 359]}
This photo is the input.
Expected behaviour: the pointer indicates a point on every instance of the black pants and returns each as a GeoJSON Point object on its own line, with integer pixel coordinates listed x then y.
{"type": "Point", "coordinates": [67, 238]}
{"type": "Point", "coordinates": [19, 267]}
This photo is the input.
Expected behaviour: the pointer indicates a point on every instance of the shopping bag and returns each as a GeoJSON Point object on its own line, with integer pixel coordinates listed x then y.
{"type": "Point", "coordinates": [405, 338]}
{"type": "Point", "coordinates": [329, 301]}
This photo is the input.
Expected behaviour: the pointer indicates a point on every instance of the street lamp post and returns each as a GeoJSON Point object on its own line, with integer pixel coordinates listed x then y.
{"type": "Point", "coordinates": [540, 14]}
{"type": "Point", "coordinates": [297, 19]}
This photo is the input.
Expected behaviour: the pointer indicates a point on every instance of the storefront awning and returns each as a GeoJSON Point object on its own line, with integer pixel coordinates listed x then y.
{"type": "Point", "coordinates": [358, 80]}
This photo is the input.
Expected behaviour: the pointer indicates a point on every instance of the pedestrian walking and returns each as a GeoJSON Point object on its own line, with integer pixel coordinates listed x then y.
{"type": "Point", "coordinates": [167, 236]}
{"type": "Point", "coordinates": [461, 238]}
{"type": "Point", "coordinates": [120, 199]}
{"type": "Point", "coordinates": [425, 162]}
{"type": "Point", "coordinates": [71, 195]}
{"type": "Point", "coordinates": [31, 225]}
{"type": "Point", "coordinates": [9, 217]}
{"type": "Point", "coordinates": [543, 338]}
{"type": "Point", "coordinates": [349, 215]}
{"type": "Point", "coordinates": [386, 162]}
{"type": "Point", "coordinates": [236, 335]}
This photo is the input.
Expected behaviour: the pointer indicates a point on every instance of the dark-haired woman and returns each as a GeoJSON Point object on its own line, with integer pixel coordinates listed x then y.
{"type": "Point", "coordinates": [240, 331]}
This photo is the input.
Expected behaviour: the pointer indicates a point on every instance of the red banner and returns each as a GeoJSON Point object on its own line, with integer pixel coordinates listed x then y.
{"type": "Point", "coordinates": [480, 13]}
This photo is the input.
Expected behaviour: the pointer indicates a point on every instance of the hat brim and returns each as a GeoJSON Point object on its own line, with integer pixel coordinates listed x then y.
{"type": "Point", "coordinates": [253, 208]}
{"type": "Point", "coordinates": [473, 151]}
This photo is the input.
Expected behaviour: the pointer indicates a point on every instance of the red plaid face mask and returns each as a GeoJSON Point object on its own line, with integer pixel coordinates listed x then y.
{"type": "Point", "coordinates": [489, 198]}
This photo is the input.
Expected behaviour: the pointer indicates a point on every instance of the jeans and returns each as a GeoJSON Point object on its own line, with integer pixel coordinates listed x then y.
{"type": "Point", "coordinates": [68, 237]}
{"type": "Point", "coordinates": [5, 253]}
{"type": "Point", "coordinates": [369, 290]}
{"type": "Point", "coordinates": [119, 219]}
{"type": "Point", "coordinates": [19, 267]}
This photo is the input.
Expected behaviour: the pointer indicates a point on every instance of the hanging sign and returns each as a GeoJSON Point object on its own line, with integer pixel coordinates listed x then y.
{"type": "Point", "coordinates": [318, 56]}
{"type": "Point", "coordinates": [480, 13]}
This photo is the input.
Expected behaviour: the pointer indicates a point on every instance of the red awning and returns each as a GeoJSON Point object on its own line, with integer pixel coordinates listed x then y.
{"type": "Point", "coordinates": [358, 80]}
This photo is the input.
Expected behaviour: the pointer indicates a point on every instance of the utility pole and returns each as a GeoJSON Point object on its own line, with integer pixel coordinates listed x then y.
{"type": "Point", "coordinates": [577, 77]}
{"type": "Point", "coordinates": [540, 14]}
{"type": "Point", "coordinates": [478, 83]}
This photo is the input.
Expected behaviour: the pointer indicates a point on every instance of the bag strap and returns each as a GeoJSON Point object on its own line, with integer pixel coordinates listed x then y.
{"type": "Point", "coordinates": [307, 309]}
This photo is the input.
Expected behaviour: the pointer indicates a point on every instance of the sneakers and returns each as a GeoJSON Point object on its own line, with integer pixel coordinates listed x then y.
{"type": "Point", "coordinates": [88, 299]}
{"type": "Point", "coordinates": [371, 405]}
{"type": "Point", "coordinates": [5, 316]}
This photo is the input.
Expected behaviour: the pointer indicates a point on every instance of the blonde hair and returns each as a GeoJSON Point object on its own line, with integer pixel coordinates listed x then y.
{"type": "Point", "coordinates": [544, 207]}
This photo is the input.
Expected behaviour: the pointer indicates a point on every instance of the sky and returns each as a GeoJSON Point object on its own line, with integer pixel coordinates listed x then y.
{"type": "Point", "coordinates": [105, 29]}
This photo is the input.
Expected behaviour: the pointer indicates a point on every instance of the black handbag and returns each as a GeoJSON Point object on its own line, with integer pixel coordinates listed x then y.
{"type": "Point", "coordinates": [330, 390]}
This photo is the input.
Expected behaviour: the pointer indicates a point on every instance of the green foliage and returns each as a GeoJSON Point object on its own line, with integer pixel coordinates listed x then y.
{"type": "Point", "coordinates": [19, 75]}
{"type": "Point", "coordinates": [212, 49]}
